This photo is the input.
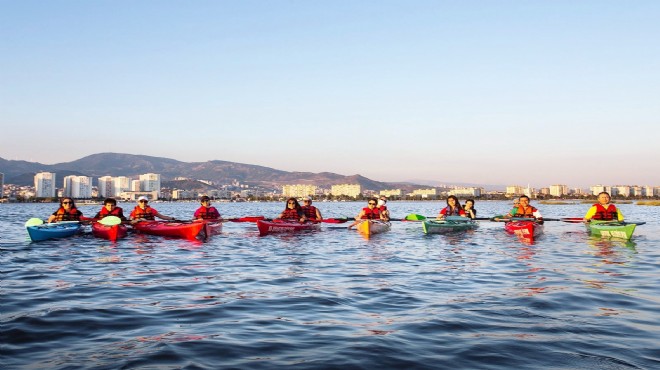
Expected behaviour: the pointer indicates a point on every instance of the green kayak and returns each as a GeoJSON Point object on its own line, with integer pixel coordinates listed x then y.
{"type": "Point", "coordinates": [449, 225]}
{"type": "Point", "coordinates": [611, 229]}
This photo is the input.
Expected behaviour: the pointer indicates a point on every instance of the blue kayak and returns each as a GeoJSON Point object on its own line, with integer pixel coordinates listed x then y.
{"type": "Point", "coordinates": [53, 231]}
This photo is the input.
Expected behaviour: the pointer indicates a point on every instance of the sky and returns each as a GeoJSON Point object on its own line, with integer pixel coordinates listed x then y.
{"type": "Point", "coordinates": [489, 92]}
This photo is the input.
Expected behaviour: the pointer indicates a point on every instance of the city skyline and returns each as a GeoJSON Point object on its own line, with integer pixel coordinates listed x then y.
{"type": "Point", "coordinates": [474, 92]}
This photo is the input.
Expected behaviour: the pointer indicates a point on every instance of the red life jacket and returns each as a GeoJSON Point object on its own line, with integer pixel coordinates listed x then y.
{"type": "Point", "coordinates": [147, 213]}
{"type": "Point", "coordinates": [371, 214]}
{"type": "Point", "coordinates": [62, 215]}
{"type": "Point", "coordinates": [310, 212]}
{"type": "Point", "coordinates": [291, 214]}
{"type": "Point", "coordinates": [525, 213]}
{"type": "Point", "coordinates": [207, 213]}
{"type": "Point", "coordinates": [611, 213]}
{"type": "Point", "coordinates": [117, 211]}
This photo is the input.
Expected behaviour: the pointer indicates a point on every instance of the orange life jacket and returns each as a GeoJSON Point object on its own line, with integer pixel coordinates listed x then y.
{"type": "Point", "coordinates": [526, 213]}
{"type": "Point", "coordinates": [147, 213]}
{"type": "Point", "coordinates": [62, 215]}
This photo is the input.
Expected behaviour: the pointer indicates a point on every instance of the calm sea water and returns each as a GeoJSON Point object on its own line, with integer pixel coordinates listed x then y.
{"type": "Point", "coordinates": [332, 299]}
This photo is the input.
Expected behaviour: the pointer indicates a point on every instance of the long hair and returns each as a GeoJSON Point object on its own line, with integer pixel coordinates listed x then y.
{"type": "Point", "coordinates": [295, 202]}
{"type": "Point", "coordinates": [458, 204]}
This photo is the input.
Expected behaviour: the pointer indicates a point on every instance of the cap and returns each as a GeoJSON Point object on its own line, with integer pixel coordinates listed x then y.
{"type": "Point", "coordinates": [142, 197]}
{"type": "Point", "coordinates": [308, 198]}
{"type": "Point", "coordinates": [205, 197]}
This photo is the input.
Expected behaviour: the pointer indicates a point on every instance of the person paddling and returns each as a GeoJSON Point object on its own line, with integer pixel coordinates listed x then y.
{"type": "Point", "coordinates": [453, 208]}
{"type": "Point", "coordinates": [143, 212]}
{"type": "Point", "coordinates": [312, 213]}
{"type": "Point", "coordinates": [603, 210]}
{"type": "Point", "coordinates": [110, 209]}
{"type": "Point", "coordinates": [206, 211]}
{"type": "Point", "coordinates": [383, 208]}
{"type": "Point", "coordinates": [524, 210]}
{"type": "Point", "coordinates": [293, 211]}
{"type": "Point", "coordinates": [66, 212]}
{"type": "Point", "coordinates": [370, 212]}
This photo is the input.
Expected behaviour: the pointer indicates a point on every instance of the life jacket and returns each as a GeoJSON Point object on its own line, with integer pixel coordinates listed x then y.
{"type": "Point", "coordinates": [310, 212]}
{"type": "Point", "coordinates": [371, 214]}
{"type": "Point", "coordinates": [382, 208]}
{"type": "Point", "coordinates": [291, 214]}
{"type": "Point", "coordinates": [207, 213]}
{"type": "Point", "coordinates": [63, 215]}
{"type": "Point", "coordinates": [525, 213]}
{"type": "Point", "coordinates": [117, 211]}
{"type": "Point", "coordinates": [611, 213]}
{"type": "Point", "coordinates": [147, 213]}
{"type": "Point", "coordinates": [455, 212]}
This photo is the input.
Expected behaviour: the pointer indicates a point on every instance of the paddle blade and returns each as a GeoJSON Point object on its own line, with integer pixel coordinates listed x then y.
{"type": "Point", "coordinates": [110, 221]}
{"type": "Point", "coordinates": [34, 222]}
{"type": "Point", "coordinates": [415, 217]}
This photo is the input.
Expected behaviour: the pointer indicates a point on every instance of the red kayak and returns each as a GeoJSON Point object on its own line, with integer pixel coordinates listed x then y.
{"type": "Point", "coordinates": [281, 226]}
{"type": "Point", "coordinates": [175, 229]}
{"type": "Point", "coordinates": [107, 232]}
{"type": "Point", "coordinates": [526, 230]}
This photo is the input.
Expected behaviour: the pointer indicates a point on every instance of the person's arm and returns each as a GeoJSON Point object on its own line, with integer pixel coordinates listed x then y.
{"type": "Point", "coordinates": [442, 214]}
{"type": "Point", "coordinates": [386, 215]}
{"type": "Point", "coordinates": [196, 214]}
{"type": "Point", "coordinates": [318, 215]}
{"type": "Point", "coordinates": [51, 218]}
{"type": "Point", "coordinates": [169, 218]}
{"type": "Point", "coordinates": [461, 213]}
{"type": "Point", "coordinates": [590, 214]}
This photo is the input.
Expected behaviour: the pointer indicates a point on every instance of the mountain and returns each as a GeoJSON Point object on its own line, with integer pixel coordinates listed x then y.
{"type": "Point", "coordinates": [220, 172]}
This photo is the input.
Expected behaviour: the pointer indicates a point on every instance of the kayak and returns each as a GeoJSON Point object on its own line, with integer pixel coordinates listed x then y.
{"type": "Point", "coordinates": [448, 225]}
{"type": "Point", "coordinates": [109, 232]}
{"type": "Point", "coordinates": [54, 230]}
{"type": "Point", "coordinates": [611, 229]}
{"type": "Point", "coordinates": [371, 227]}
{"type": "Point", "coordinates": [211, 227]}
{"type": "Point", "coordinates": [281, 226]}
{"type": "Point", "coordinates": [188, 230]}
{"type": "Point", "coordinates": [527, 230]}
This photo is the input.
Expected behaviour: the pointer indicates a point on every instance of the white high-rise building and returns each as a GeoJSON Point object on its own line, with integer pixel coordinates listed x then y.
{"type": "Point", "coordinates": [106, 186]}
{"type": "Point", "coordinates": [122, 183]}
{"type": "Point", "coordinates": [78, 187]}
{"type": "Point", "coordinates": [597, 189]}
{"type": "Point", "coordinates": [558, 190]}
{"type": "Point", "coordinates": [135, 185]}
{"type": "Point", "coordinates": [150, 182]}
{"type": "Point", "coordinates": [44, 185]}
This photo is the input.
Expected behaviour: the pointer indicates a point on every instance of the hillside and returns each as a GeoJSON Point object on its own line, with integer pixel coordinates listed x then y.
{"type": "Point", "coordinates": [221, 172]}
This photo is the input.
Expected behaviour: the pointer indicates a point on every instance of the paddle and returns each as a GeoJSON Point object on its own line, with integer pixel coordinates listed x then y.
{"type": "Point", "coordinates": [34, 222]}
{"type": "Point", "coordinates": [110, 221]}
{"type": "Point", "coordinates": [244, 219]}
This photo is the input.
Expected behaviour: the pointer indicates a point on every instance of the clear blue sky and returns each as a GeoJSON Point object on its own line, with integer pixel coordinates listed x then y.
{"type": "Point", "coordinates": [495, 92]}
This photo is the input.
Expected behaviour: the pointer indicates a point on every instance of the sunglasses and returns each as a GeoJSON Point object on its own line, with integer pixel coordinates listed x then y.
{"type": "Point", "coordinates": [144, 201]}
{"type": "Point", "coordinates": [306, 201]}
{"type": "Point", "coordinates": [67, 202]}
